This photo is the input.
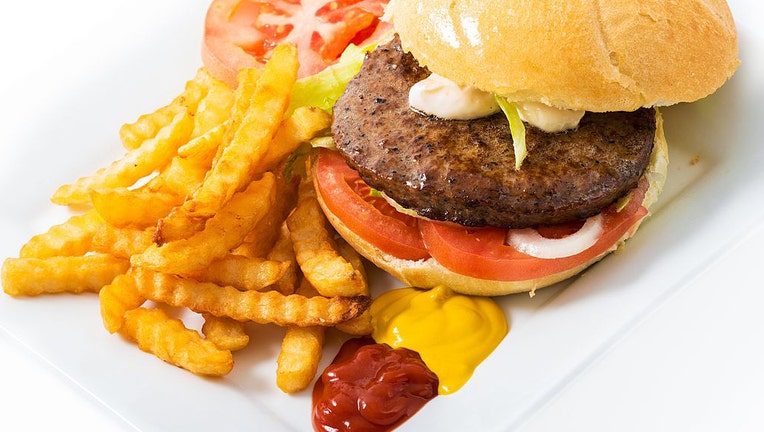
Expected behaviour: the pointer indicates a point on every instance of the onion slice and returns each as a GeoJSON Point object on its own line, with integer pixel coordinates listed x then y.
{"type": "Point", "coordinates": [530, 242]}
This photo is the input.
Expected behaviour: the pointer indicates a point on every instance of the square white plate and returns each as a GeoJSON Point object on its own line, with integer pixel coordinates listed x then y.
{"type": "Point", "coordinates": [80, 71]}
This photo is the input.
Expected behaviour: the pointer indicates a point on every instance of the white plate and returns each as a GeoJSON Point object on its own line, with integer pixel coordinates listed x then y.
{"type": "Point", "coordinates": [77, 80]}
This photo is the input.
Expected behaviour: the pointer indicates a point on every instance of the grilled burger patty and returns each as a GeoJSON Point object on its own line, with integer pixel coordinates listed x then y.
{"type": "Point", "coordinates": [463, 171]}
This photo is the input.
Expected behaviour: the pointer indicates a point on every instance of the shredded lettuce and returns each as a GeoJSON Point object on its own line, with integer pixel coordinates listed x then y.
{"type": "Point", "coordinates": [516, 128]}
{"type": "Point", "coordinates": [324, 88]}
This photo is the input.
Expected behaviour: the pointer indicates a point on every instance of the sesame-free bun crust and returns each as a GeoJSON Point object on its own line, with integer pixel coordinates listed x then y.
{"type": "Point", "coordinates": [430, 273]}
{"type": "Point", "coordinates": [614, 55]}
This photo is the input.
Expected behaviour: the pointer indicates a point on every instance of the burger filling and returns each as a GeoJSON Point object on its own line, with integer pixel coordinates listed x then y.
{"type": "Point", "coordinates": [463, 170]}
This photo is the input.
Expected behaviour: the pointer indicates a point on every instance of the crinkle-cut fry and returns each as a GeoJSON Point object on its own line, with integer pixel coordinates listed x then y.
{"type": "Point", "coordinates": [301, 351]}
{"type": "Point", "coordinates": [167, 338]}
{"type": "Point", "coordinates": [215, 108]}
{"type": "Point", "coordinates": [282, 251]}
{"type": "Point", "coordinates": [201, 150]}
{"type": "Point", "coordinates": [133, 166]}
{"type": "Point", "coordinates": [121, 242]}
{"type": "Point", "coordinates": [70, 238]}
{"type": "Point", "coordinates": [132, 207]}
{"type": "Point", "coordinates": [261, 239]}
{"type": "Point", "coordinates": [247, 80]}
{"type": "Point", "coordinates": [235, 167]}
{"type": "Point", "coordinates": [116, 299]}
{"type": "Point", "coordinates": [317, 252]}
{"type": "Point", "coordinates": [302, 126]}
{"type": "Point", "coordinates": [258, 306]}
{"type": "Point", "coordinates": [224, 332]}
{"type": "Point", "coordinates": [147, 126]}
{"type": "Point", "coordinates": [242, 272]}
{"type": "Point", "coordinates": [360, 325]}
{"type": "Point", "coordinates": [70, 274]}
{"type": "Point", "coordinates": [187, 170]}
{"type": "Point", "coordinates": [177, 225]}
{"type": "Point", "coordinates": [222, 232]}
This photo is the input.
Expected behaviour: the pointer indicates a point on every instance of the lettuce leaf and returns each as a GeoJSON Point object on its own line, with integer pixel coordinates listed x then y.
{"type": "Point", "coordinates": [516, 128]}
{"type": "Point", "coordinates": [324, 88]}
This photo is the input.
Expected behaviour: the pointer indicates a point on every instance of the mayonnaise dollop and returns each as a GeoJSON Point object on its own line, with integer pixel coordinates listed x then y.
{"type": "Point", "coordinates": [441, 97]}
{"type": "Point", "coordinates": [548, 118]}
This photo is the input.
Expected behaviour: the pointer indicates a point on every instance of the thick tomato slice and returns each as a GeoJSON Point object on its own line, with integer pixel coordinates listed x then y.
{"type": "Point", "coordinates": [482, 252]}
{"type": "Point", "coordinates": [372, 218]}
{"type": "Point", "coordinates": [242, 33]}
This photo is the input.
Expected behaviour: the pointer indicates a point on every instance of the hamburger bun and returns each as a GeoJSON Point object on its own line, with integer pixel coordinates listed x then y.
{"type": "Point", "coordinates": [617, 55]}
{"type": "Point", "coordinates": [430, 273]}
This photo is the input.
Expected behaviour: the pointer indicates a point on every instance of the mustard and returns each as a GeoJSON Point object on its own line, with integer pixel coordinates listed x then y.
{"type": "Point", "coordinates": [453, 333]}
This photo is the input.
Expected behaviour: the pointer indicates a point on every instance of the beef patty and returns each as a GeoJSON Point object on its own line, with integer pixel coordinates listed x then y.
{"type": "Point", "coordinates": [463, 171]}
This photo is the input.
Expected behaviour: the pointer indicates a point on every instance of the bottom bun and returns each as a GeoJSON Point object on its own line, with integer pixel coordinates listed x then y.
{"type": "Point", "coordinates": [429, 272]}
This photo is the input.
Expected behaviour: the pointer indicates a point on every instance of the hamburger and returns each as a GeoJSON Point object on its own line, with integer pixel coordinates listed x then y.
{"type": "Point", "coordinates": [500, 147]}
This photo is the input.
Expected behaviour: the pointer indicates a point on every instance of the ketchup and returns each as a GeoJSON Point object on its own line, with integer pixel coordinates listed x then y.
{"type": "Point", "coordinates": [371, 387]}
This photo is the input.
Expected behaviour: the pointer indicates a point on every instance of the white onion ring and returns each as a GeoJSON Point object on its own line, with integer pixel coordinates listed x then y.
{"type": "Point", "coordinates": [530, 242]}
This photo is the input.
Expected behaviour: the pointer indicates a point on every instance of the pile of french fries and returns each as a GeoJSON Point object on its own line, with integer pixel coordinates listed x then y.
{"type": "Point", "coordinates": [201, 213]}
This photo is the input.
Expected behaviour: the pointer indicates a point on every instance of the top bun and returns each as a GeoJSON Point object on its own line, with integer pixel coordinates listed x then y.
{"type": "Point", "coordinates": [615, 55]}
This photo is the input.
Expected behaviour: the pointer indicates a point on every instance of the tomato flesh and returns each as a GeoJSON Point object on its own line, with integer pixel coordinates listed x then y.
{"type": "Point", "coordinates": [242, 33]}
{"type": "Point", "coordinates": [372, 218]}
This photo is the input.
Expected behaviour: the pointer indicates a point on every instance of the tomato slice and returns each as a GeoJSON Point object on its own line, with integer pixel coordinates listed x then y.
{"type": "Point", "coordinates": [372, 218]}
{"type": "Point", "coordinates": [242, 33]}
{"type": "Point", "coordinates": [482, 252]}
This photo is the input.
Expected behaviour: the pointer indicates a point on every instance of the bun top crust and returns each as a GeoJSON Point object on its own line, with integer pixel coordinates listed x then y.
{"type": "Point", "coordinates": [614, 55]}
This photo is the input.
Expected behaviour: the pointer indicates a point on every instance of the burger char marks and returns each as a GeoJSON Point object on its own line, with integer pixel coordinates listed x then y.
{"type": "Point", "coordinates": [463, 171]}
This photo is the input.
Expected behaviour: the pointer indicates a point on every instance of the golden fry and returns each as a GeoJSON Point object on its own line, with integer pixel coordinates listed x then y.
{"type": "Point", "coordinates": [167, 338]}
{"type": "Point", "coordinates": [235, 167]}
{"type": "Point", "coordinates": [360, 325]}
{"type": "Point", "coordinates": [138, 207]}
{"type": "Point", "coordinates": [187, 170]}
{"type": "Point", "coordinates": [261, 239]}
{"type": "Point", "coordinates": [206, 98]}
{"type": "Point", "coordinates": [317, 252]}
{"type": "Point", "coordinates": [303, 125]}
{"type": "Point", "coordinates": [258, 306]}
{"type": "Point", "coordinates": [74, 274]}
{"type": "Point", "coordinates": [116, 299]}
{"type": "Point", "coordinates": [70, 238]}
{"type": "Point", "coordinates": [300, 352]}
{"type": "Point", "coordinates": [225, 333]}
{"type": "Point", "coordinates": [133, 166]}
{"type": "Point", "coordinates": [177, 226]}
{"type": "Point", "coordinates": [214, 109]}
{"type": "Point", "coordinates": [282, 251]}
{"type": "Point", "coordinates": [222, 232]}
{"type": "Point", "coordinates": [243, 273]}
{"type": "Point", "coordinates": [121, 242]}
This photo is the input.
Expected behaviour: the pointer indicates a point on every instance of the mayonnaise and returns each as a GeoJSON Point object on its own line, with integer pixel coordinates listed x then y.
{"type": "Point", "coordinates": [441, 97]}
{"type": "Point", "coordinates": [548, 118]}
{"type": "Point", "coordinates": [446, 99]}
{"type": "Point", "coordinates": [453, 333]}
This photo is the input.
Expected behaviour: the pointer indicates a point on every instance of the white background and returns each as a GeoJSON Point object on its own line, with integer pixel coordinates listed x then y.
{"type": "Point", "coordinates": [696, 359]}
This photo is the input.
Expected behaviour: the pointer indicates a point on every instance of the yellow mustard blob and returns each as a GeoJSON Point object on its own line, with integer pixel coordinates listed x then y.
{"type": "Point", "coordinates": [453, 333]}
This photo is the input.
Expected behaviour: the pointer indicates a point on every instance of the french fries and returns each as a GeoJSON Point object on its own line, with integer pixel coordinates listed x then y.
{"type": "Point", "coordinates": [70, 238]}
{"type": "Point", "coordinates": [316, 250]}
{"type": "Point", "coordinates": [72, 274]}
{"type": "Point", "coordinates": [235, 167]}
{"type": "Point", "coordinates": [225, 333]}
{"type": "Point", "coordinates": [260, 307]}
{"type": "Point", "coordinates": [222, 232]}
{"type": "Point", "coordinates": [202, 213]}
{"type": "Point", "coordinates": [167, 338]}
{"type": "Point", "coordinates": [300, 353]}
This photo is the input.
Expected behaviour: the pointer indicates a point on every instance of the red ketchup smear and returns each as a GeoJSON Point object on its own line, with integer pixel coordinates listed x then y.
{"type": "Point", "coordinates": [371, 387]}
